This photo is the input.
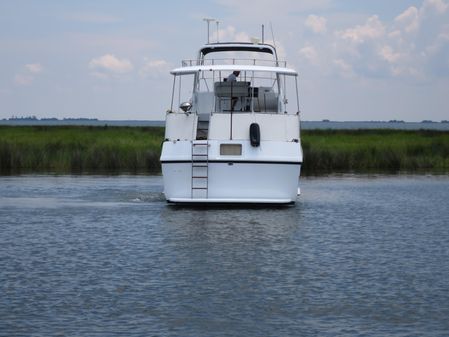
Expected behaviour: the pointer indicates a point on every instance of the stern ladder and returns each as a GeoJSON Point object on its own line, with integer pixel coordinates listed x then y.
{"type": "Point", "coordinates": [200, 169]}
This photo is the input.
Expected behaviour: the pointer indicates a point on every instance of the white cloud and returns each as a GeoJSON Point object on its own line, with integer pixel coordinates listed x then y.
{"type": "Point", "coordinates": [423, 51]}
{"type": "Point", "coordinates": [412, 18]}
{"type": "Point", "coordinates": [438, 5]}
{"type": "Point", "coordinates": [409, 19]}
{"type": "Point", "coordinates": [344, 68]}
{"type": "Point", "coordinates": [310, 54]}
{"type": "Point", "coordinates": [440, 43]}
{"type": "Point", "coordinates": [155, 69]}
{"type": "Point", "coordinates": [34, 68]}
{"type": "Point", "coordinates": [230, 34]}
{"type": "Point", "coordinates": [372, 29]}
{"type": "Point", "coordinates": [225, 34]}
{"type": "Point", "coordinates": [23, 79]}
{"type": "Point", "coordinates": [355, 50]}
{"type": "Point", "coordinates": [414, 45]}
{"type": "Point", "coordinates": [315, 23]}
{"type": "Point", "coordinates": [242, 37]}
{"type": "Point", "coordinates": [27, 74]}
{"type": "Point", "coordinates": [388, 54]}
{"type": "Point", "coordinates": [396, 34]}
{"type": "Point", "coordinates": [109, 64]}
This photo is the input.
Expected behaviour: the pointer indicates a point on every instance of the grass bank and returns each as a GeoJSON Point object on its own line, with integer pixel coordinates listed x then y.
{"type": "Point", "coordinates": [76, 149]}
{"type": "Point", "coordinates": [375, 151]}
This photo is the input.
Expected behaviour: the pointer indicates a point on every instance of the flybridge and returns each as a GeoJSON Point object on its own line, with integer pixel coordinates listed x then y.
{"type": "Point", "coordinates": [263, 79]}
{"type": "Point", "coordinates": [249, 50]}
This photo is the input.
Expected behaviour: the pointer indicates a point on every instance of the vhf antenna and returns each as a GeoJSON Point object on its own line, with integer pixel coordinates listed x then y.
{"type": "Point", "coordinates": [263, 34]}
{"type": "Point", "coordinates": [272, 35]}
{"type": "Point", "coordinates": [218, 22]}
{"type": "Point", "coordinates": [208, 20]}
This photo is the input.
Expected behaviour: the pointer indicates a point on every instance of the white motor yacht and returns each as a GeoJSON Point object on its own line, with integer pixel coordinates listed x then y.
{"type": "Point", "coordinates": [233, 139]}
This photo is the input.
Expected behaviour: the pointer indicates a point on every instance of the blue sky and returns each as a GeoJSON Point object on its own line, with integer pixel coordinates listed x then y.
{"type": "Point", "coordinates": [358, 60]}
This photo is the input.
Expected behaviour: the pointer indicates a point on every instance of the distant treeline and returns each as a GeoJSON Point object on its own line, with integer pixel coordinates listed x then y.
{"type": "Point", "coordinates": [78, 149]}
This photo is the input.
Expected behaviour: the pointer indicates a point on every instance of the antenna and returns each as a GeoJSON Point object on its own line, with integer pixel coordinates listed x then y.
{"type": "Point", "coordinates": [274, 44]}
{"type": "Point", "coordinates": [263, 34]}
{"type": "Point", "coordinates": [208, 20]}
{"type": "Point", "coordinates": [218, 22]}
{"type": "Point", "coordinates": [272, 35]}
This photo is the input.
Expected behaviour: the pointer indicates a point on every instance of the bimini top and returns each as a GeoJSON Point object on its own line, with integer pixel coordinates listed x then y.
{"type": "Point", "coordinates": [231, 68]}
{"type": "Point", "coordinates": [238, 46]}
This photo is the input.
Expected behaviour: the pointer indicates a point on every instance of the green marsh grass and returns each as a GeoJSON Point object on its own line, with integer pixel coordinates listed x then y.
{"type": "Point", "coordinates": [77, 149]}
{"type": "Point", "coordinates": [375, 151]}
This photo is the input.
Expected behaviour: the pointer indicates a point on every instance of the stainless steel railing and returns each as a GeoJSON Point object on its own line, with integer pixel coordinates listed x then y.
{"type": "Point", "coordinates": [236, 61]}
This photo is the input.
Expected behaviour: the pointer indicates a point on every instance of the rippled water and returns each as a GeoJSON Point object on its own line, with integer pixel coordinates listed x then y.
{"type": "Point", "coordinates": [106, 256]}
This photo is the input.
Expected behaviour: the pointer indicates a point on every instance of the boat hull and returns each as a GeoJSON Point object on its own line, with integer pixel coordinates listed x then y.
{"type": "Point", "coordinates": [264, 180]}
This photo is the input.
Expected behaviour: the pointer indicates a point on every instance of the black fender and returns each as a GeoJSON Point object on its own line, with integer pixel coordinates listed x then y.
{"type": "Point", "coordinates": [254, 134]}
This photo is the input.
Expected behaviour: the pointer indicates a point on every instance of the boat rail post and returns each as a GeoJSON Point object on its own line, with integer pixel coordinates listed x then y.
{"type": "Point", "coordinates": [173, 93]}
{"type": "Point", "coordinates": [297, 94]}
{"type": "Point", "coordinates": [179, 91]}
{"type": "Point", "coordinates": [232, 110]}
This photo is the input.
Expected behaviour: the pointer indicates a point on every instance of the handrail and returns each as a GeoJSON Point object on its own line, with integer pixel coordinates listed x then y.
{"type": "Point", "coordinates": [240, 61]}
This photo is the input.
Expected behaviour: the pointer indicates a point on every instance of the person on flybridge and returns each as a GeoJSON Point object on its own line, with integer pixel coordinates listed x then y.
{"type": "Point", "coordinates": [233, 78]}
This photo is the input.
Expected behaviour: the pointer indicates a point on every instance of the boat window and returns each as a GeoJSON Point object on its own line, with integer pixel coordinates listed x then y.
{"type": "Point", "coordinates": [289, 98]}
{"type": "Point", "coordinates": [182, 91]}
{"type": "Point", "coordinates": [230, 149]}
{"type": "Point", "coordinates": [254, 91]}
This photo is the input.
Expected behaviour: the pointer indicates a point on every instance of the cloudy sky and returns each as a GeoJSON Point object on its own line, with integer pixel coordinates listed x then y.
{"type": "Point", "coordinates": [110, 59]}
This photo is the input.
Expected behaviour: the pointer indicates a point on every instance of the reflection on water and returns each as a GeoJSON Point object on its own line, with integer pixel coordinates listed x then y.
{"type": "Point", "coordinates": [357, 255]}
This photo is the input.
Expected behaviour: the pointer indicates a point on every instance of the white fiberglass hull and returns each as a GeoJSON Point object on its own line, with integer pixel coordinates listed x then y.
{"type": "Point", "coordinates": [270, 177]}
